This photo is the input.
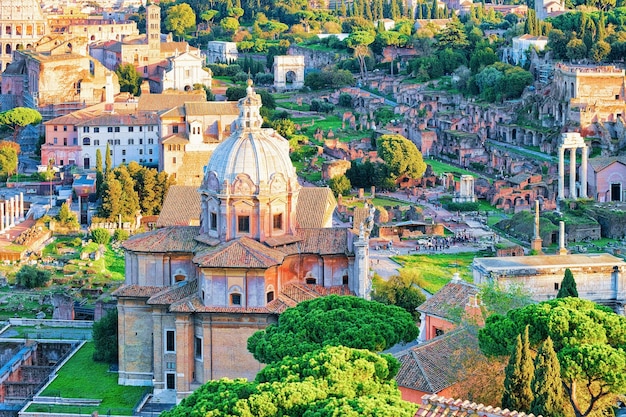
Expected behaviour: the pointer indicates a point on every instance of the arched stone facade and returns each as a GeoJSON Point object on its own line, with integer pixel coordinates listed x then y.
{"type": "Point", "coordinates": [288, 72]}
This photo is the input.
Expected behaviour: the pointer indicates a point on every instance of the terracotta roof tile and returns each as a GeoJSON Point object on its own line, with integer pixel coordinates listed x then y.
{"type": "Point", "coordinates": [315, 207]}
{"type": "Point", "coordinates": [455, 293]}
{"type": "Point", "coordinates": [322, 241]}
{"type": "Point", "coordinates": [435, 365]}
{"type": "Point", "coordinates": [168, 100]}
{"type": "Point", "coordinates": [175, 293]}
{"type": "Point", "coordinates": [436, 406]}
{"type": "Point", "coordinates": [181, 207]}
{"type": "Point", "coordinates": [240, 253]}
{"type": "Point", "coordinates": [167, 239]}
{"type": "Point", "coordinates": [140, 291]}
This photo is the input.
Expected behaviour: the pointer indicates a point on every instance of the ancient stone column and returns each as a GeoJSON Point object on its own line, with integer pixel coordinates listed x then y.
{"type": "Point", "coordinates": [21, 207]}
{"type": "Point", "coordinates": [537, 243]}
{"type": "Point", "coordinates": [1, 217]}
{"type": "Point", "coordinates": [583, 173]}
{"type": "Point", "coordinates": [561, 172]}
{"type": "Point", "coordinates": [572, 174]}
{"type": "Point", "coordinates": [562, 250]}
{"type": "Point", "coordinates": [11, 212]}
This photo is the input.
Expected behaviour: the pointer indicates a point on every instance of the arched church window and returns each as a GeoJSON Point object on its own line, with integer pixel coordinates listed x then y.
{"type": "Point", "coordinates": [235, 299]}
{"type": "Point", "coordinates": [311, 281]}
{"type": "Point", "coordinates": [179, 276]}
{"type": "Point", "coordinates": [270, 296]}
{"type": "Point", "coordinates": [213, 221]}
{"type": "Point", "coordinates": [344, 280]}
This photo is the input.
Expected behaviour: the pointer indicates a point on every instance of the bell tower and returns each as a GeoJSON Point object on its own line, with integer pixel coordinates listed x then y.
{"type": "Point", "coordinates": [153, 27]}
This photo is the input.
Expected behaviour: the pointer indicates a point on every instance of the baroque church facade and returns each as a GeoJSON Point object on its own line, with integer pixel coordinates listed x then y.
{"type": "Point", "coordinates": [193, 295]}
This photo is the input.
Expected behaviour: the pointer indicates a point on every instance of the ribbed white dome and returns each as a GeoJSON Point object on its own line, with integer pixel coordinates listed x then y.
{"type": "Point", "coordinates": [258, 153]}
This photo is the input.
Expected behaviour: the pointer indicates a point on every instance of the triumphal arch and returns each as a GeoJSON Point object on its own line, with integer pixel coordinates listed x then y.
{"type": "Point", "coordinates": [288, 72]}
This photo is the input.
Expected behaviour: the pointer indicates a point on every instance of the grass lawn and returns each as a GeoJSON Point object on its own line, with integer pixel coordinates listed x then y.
{"type": "Point", "coordinates": [81, 377]}
{"type": "Point", "coordinates": [293, 106]}
{"type": "Point", "coordinates": [441, 167]}
{"type": "Point", "coordinates": [437, 269]}
{"type": "Point", "coordinates": [377, 201]}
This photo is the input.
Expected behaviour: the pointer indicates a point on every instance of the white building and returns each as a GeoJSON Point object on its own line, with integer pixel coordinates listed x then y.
{"type": "Point", "coordinates": [517, 53]}
{"type": "Point", "coordinates": [221, 52]}
{"type": "Point", "coordinates": [181, 72]}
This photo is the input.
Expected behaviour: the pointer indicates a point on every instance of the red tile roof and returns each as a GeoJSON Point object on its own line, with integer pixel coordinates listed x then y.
{"type": "Point", "coordinates": [239, 253]}
{"type": "Point", "coordinates": [175, 293]}
{"type": "Point", "coordinates": [139, 291]}
{"type": "Point", "coordinates": [315, 207]}
{"type": "Point", "coordinates": [435, 365]}
{"type": "Point", "coordinates": [181, 207]}
{"type": "Point", "coordinates": [322, 241]}
{"type": "Point", "coordinates": [435, 406]}
{"type": "Point", "coordinates": [167, 239]}
{"type": "Point", "coordinates": [455, 293]}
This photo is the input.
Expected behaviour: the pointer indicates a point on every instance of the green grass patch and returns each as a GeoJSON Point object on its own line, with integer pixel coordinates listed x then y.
{"type": "Point", "coordinates": [81, 377]}
{"type": "Point", "coordinates": [377, 201]}
{"type": "Point", "coordinates": [293, 106]}
{"type": "Point", "coordinates": [437, 269]}
{"type": "Point", "coordinates": [440, 167]}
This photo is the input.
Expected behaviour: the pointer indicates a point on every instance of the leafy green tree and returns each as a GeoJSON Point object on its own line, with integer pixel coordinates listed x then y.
{"type": "Point", "coordinates": [8, 159]}
{"type": "Point", "coordinates": [130, 199]}
{"type": "Point", "coordinates": [129, 78]}
{"type": "Point", "coordinates": [99, 172]}
{"type": "Point", "coordinates": [328, 79]}
{"type": "Point", "coordinates": [340, 184]}
{"type": "Point", "coordinates": [120, 235]}
{"type": "Point", "coordinates": [557, 41]}
{"type": "Point", "coordinates": [599, 51]}
{"type": "Point", "coordinates": [546, 385]}
{"type": "Point", "coordinates": [180, 19]}
{"type": "Point", "coordinates": [111, 206]}
{"type": "Point", "coordinates": [333, 381]}
{"type": "Point", "coordinates": [209, 15]}
{"type": "Point", "coordinates": [401, 290]}
{"type": "Point", "coordinates": [576, 49]}
{"type": "Point", "coordinates": [333, 320]}
{"type": "Point", "coordinates": [67, 218]}
{"type": "Point", "coordinates": [230, 24]}
{"type": "Point", "coordinates": [360, 41]}
{"type": "Point", "coordinates": [108, 164]}
{"type": "Point", "coordinates": [568, 285]}
{"type": "Point", "coordinates": [500, 300]}
{"type": "Point", "coordinates": [105, 338]}
{"type": "Point", "coordinates": [518, 376]}
{"type": "Point", "coordinates": [588, 337]}
{"type": "Point", "coordinates": [100, 236]}
{"type": "Point", "coordinates": [18, 118]}
{"type": "Point", "coordinates": [32, 277]}
{"type": "Point", "coordinates": [401, 155]}
{"type": "Point", "coordinates": [452, 36]}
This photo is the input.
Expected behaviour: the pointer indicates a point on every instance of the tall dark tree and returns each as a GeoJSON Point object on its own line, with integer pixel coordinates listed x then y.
{"type": "Point", "coordinates": [105, 338]}
{"type": "Point", "coordinates": [111, 205]}
{"type": "Point", "coordinates": [547, 386]}
{"type": "Point", "coordinates": [568, 286]}
{"type": "Point", "coordinates": [129, 78]}
{"type": "Point", "coordinates": [108, 164]}
{"type": "Point", "coordinates": [518, 376]}
{"type": "Point", "coordinates": [99, 173]}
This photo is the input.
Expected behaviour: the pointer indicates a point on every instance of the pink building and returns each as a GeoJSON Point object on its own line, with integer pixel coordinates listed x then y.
{"type": "Point", "coordinates": [607, 178]}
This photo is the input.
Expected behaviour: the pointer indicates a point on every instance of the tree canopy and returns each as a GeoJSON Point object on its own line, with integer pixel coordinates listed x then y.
{"type": "Point", "coordinates": [129, 79]}
{"type": "Point", "coordinates": [401, 155]}
{"type": "Point", "coordinates": [8, 158]}
{"type": "Point", "coordinates": [180, 18]}
{"type": "Point", "coordinates": [568, 286]}
{"type": "Point", "coordinates": [329, 382]}
{"type": "Point", "coordinates": [333, 320]}
{"type": "Point", "coordinates": [590, 341]}
{"type": "Point", "coordinates": [18, 118]}
{"type": "Point", "coordinates": [105, 338]}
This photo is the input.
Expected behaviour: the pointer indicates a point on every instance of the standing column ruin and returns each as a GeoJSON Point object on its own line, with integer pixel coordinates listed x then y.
{"type": "Point", "coordinates": [572, 141]}
{"type": "Point", "coordinates": [21, 207]}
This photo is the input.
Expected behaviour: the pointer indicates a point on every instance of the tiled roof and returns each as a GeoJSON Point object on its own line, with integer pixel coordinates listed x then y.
{"type": "Point", "coordinates": [436, 364]}
{"type": "Point", "coordinates": [175, 293]}
{"type": "Point", "coordinates": [140, 291]}
{"type": "Point", "coordinates": [240, 253]}
{"type": "Point", "coordinates": [213, 108]}
{"type": "Point", "coordinates": [192, 170]}
{"type": "Point", "coordinates": [181, 207]}
{"type": "Point", "coordinates": [117, 119]}
{"type": "Point", "coordinates": [321, 241]}
{"type": "Point", "coordinates": [598, 164]}
{"type": "Point", "coordinates": [169, 100]}
{"type": "Point", "coordinates": [436, 406]}
{"type": "Point", "coordinates": [175, 139]}
{"type": "Point", "coordinates": [167, 239]}
{"type": "Point", "coordinates": [176, 46]}
{"type": "Point", "coordinates": [315, 207]}
{"type": "Point", "coordinates": [359, 217]}
{"type": "Point", "coordinates": [455, 293]}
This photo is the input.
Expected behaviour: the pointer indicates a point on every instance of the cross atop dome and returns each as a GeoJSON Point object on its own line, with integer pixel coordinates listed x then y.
{"type": "Point", "coordinates": [249, 110]}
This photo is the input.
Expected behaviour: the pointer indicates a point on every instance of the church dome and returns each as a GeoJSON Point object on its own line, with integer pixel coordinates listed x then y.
{"type": "Point", "coordinates": [259, 154]}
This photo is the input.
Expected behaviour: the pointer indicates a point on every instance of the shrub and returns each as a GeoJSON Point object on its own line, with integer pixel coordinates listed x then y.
{"type": "Point", "coordinates": [31, 277]}
{"type": "Point", "coordinates": [121, 235]}
{"type": "Point", "coordinates": [101, 236]}
{"type": "Point", "coordinates": [105, 338]}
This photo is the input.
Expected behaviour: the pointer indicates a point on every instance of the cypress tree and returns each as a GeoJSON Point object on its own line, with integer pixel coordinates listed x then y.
{"type": "Point", "coordinates": [547, 386]}
{"type": "Point", "coordinates": [518, 377]}
{"type": "Point", "coordinates": [99, 173]}
{"type": "Point", "coordinates": [568, 286]}
{"type": "Point", "coordinates": [107, 160]}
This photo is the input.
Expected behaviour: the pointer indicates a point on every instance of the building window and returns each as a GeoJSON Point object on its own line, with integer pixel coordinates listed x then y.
{"type": "Point", "coordinates": [278, 221]}
{"type": "Point", "coordinates": [170, 381]}
{"type": "Point", "coordinates": [56, 128]}
{"type": "Point", "coordinates": [235, 299]}
{"type": "Point", "coordinates": [141, 128]}
{"type": "Point", "coordinates": [110, 129]}
{"type": "Point", "coordinates": [117, 128]}
{"type": "Point", "coordinates": [150, 141]}
{"type": "Point", "coordinates": [198, 347]}
{"type": "Point", "coordinates": [556, 286]}
{"type": "Point", "coordinates": [86, 129]}
{"type": "Point", "coordinates": [55, 141]}
{"type": "Point", "coordinates": [311, 281]}
{"type": "Point", "coordinates": [140, 151]}
{"type": "Point", "coordinates": [150, 151]}
{"type": "Point", "coordinates": [123, 151]}
{"type": "Point", "coordinates": [213, 222]}
{"type": "Point", "coordinates": [174, 129]}
{"type": "Point", "coordinates": [130, 128]}
{"type": "Point", "coordinates": [174, 160]}
{"type": "Point", "coordinates": [65, 128]}
{"type": "Point", "coordinates": [140, 141]}
{"type": "Point", "coordinates": [96, 142]}
{"type": "Point", "coordinates": [170, 341]}
{"type": "Point", "coordinates": [243, 224]}
{"type": "Point", "coordinates": [170, 365]}
{"type": "Point", "coordinates": [270, 296]}
{"type": "Point", "coordinates": [150, 128]}
{"type": "Point", "coordinates": [131, 141]}
{"type": "Point", "coordinates": [96, 130]}
{"type": "Point", "coordinates": [75, 141]}
{"type": "Point", "coordinates": [117, 141]}
{"type": "Point", "coordinates": [438, 332]}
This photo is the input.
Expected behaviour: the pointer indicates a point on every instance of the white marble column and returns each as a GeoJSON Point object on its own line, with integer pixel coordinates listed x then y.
{"type": "Point", "coordinates": [11, 213]}
{"type": "Point", "coordinates": [583, 173]}
{"type": "Point", "coordinates": [1, 217]}
{"type": "Point", "coordinates": [572, 174]}
{"type": "Point", "coordinates": [561, 173]}
{"type": "Point", "coordinates": [21, 207]}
